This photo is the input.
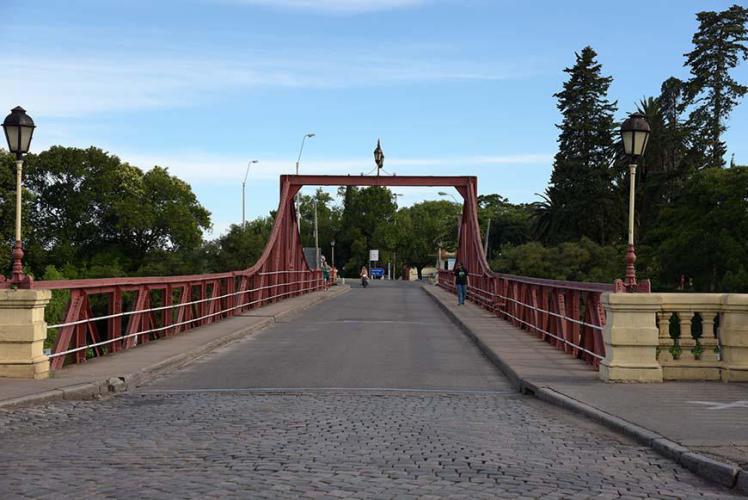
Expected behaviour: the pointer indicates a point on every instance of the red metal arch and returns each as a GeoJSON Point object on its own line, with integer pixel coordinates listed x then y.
{"type": "Point", "coordinates": [567, 314]}
{"type": "Point", "coordinates": [470, 250]}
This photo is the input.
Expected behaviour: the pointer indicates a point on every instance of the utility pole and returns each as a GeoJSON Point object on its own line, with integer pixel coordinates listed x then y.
{"type": "Point", "coordinates": [316, 235]}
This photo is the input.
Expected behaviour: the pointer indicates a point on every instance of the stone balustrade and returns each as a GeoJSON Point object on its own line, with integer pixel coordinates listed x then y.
{"type": "Point", "coordinates": [675, 336]}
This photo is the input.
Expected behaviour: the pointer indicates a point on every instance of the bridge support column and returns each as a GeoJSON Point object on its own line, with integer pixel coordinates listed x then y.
{"type": "Point", "coordinates": [22, 333]}
{"type": "Point", "coordinates": [631, 338]}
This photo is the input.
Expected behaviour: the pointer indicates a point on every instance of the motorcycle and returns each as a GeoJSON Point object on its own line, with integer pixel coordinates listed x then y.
{"type": "Point", "coordinates": [364, 281]}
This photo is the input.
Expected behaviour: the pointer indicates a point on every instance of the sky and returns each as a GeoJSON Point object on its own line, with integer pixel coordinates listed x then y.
{"type": "Point", "coordinates": [451, 87]}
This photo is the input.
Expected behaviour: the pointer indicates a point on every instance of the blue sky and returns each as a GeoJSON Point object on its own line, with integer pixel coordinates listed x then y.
{"type": "Point", "coordinates": [450, 86]}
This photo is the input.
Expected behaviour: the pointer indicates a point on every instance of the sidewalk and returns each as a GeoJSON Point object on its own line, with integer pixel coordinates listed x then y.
{"type": "Point", "coordinates": [701, 425]}
{"type": "Point", "coordinates": [131, 368]}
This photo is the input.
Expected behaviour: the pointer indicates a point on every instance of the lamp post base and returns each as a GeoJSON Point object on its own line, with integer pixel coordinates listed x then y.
{"type": "Point", "coordinates": [644, 286]}
{"type": "Point", "coordinates": [629, 284]}
{"type": "Point", "coordinates": [18, 279]}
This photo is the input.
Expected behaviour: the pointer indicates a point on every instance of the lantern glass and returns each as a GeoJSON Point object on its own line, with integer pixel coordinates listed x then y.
{"type": "Point", "coordinates": [640, 142]}
{"type": "Point", "coordinates": [628, 141]}
{"type": "Point", "coordinates": [11, 134]}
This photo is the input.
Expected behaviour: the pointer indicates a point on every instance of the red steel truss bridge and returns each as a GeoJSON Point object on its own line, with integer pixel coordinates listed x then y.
{"type": "Point", "coordinates": [134, 311]}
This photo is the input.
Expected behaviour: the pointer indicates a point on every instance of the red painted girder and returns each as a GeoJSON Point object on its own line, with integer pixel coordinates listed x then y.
{"type": "Point", "coordinates": [567, 285]}
{"type": "Point", "coordinates": [103, 284]}
{"type": "Point", "coordinates": [370, 180]}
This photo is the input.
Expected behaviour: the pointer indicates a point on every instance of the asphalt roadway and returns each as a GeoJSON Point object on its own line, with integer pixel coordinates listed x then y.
{"type": "Point", "coordinates": [390, 335]}
{"type": "Point", "coordinates": [372, 394]}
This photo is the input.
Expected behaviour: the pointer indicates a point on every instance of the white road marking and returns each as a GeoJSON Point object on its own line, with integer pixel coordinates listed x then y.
{"type": "Point", "coordinates": [715, 405]}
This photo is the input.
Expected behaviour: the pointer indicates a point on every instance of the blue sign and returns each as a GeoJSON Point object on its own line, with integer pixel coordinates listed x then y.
{"type": "Point", "coordinates": [377, 273]}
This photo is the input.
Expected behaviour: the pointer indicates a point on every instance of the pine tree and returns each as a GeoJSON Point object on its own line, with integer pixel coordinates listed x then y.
{"type": "Point", "coordinates": [672, 105]}
{"type": "Point", "coordinates": [581, 196]}
{"type": "Point", "coordinates": [719, 45]}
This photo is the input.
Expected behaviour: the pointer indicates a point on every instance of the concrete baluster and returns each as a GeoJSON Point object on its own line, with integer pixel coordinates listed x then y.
{"type": "Point", "coordinates": [708, 341]}
{"type": "Point", "coordinates": [686, 340]}
{"type": "Point", "coordinates": [665, 341]}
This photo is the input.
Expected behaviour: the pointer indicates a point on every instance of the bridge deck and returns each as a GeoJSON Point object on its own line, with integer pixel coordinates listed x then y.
{"type": "Point", "coordinates": [390, 335]}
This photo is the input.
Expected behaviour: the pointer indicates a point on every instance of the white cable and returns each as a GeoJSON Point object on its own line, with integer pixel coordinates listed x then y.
{"type": "Point", "coordinates": [161, 308]}
{"type": "Point", "coordinates": [173, 325]}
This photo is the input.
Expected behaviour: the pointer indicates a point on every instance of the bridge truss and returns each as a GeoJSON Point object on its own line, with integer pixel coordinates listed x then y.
{"type": "Point", "coordinates": [105, 316]}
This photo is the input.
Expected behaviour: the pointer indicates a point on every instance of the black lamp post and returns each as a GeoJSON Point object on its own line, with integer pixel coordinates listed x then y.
{"type": "Point", "coordinates": [379, 157]}
{"type": "Point", "coordinates": [635, 134]}
{"type": "Point", "coordinates": [19, 128]}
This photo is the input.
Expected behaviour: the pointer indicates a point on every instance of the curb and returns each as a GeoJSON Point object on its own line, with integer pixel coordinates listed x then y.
{"type": "Point", "coordinates": [722, 473]}
{"type": "Point", "coordinates": [128, 382]}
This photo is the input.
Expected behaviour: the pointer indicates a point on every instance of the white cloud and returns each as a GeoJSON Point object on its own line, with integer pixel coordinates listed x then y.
{"type": "Point", "coordinates": [60, 86]}
{"type": "Point", "coordinates": [335, 6]}
{"type": "Point", "coordinates": [204, 168]}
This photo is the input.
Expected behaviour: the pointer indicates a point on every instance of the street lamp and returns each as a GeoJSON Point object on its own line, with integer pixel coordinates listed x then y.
{"type": "Point", "coordinates": [301, 149]}
{"type": "Point", "coordinates": [19, 128]}
{"type": "Point", "coordinates": [298, 160]}
{"type": "Point", "coordinates": [459, 218]}
{"type": "Point", "coordinates": [634, 134]}
{"type": "Point", "coordinates": [379, 157]}
{"type": "Point", "coordinates": [244, 182]}
{"type": "Point", "coordinates": [442, 193]}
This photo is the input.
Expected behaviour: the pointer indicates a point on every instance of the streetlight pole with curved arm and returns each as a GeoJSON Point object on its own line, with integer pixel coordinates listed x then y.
{"type": "Point", "coordinates": [301, 149]}
{"type": "Point", "coordinates": [244, 183]}
{"type": "Point", "coordinates": [459, 217]}
{"type": "Point", "coordinates": [298, 161]}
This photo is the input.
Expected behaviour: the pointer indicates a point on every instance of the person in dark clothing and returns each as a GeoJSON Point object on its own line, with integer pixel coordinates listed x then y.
{"type": "Point", "coordinates": [461, 280]}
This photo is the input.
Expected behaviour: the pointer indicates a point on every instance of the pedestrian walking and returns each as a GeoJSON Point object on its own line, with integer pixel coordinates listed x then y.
{"type": "Point", "coordinates": [325, 268]}
{"type": "Point", "coordinates": [364, 276]}
{"type": "Point", "coordinates": [461, 281]}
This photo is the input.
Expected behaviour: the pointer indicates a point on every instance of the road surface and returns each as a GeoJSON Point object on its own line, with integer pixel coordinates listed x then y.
{"type": "Point", "coordinates": [373, 394]}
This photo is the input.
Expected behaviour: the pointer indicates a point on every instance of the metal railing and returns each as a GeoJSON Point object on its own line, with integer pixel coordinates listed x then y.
{"type": "Point", "coordinates": [566, 314]}
{"type": "Point", "coordinates": [105, 316]}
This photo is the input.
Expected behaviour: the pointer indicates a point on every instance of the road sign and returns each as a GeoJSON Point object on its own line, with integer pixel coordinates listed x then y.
{"type": "Point", "coordinates": [373, 255]}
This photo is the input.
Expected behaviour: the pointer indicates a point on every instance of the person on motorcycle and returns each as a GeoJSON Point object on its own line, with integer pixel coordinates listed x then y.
{"type": "Point", "coordinates": [364, 276]}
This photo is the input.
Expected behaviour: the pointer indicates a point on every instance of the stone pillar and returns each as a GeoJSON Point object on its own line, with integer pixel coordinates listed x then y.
{"type": "Point", "coordinates": [631, 338]}
{"type": "Point", "coordinates": [733, 335]}
{"type": "Point", "coordinates": [22, 333]}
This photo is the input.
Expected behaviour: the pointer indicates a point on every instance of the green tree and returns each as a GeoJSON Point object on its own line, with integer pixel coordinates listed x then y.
{"type": "Point", "coordinates": [581, 194]}
{"type": "Point", "coordinates": [718, 47]}
{"type": "Point", "coordinates": [240, 247]}
{"type": "Point", "coordinates": [7, 208]}
{"type": "Point", "coordinates": [328, 220]}
{"type": "Point", "coordinates": [582, 260]}
{"type": "Point", "coordinates": [704, 234]}
{"type": "Point", "coordinates": [364, 210]}
{"type": "Point", "coordinates": [106, 217]}
{"type": "Point", "coordinates": [426, 225]}
{"type": "Point", "coordinates": [510, 224]}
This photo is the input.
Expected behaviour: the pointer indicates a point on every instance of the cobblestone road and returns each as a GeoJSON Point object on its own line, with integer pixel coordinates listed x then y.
{"type": "Point", "coordinates": [210, 431]}
{"type": "Point", "coordinates": [331, 444]}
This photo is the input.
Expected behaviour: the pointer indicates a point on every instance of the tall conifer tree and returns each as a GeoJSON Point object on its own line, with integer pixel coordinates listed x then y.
{"type": "Point", "coordinates": [581, 199]}
{"type": "Point", "coordinates": [719, 45]}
